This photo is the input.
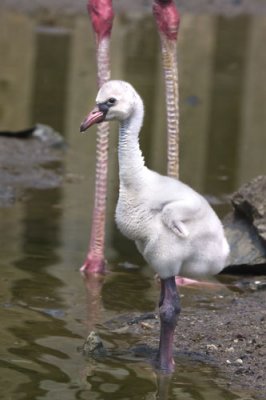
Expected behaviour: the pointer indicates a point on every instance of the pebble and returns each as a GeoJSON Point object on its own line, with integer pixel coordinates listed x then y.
{"type": "Point", "coordinates": [211, 347]}
{"type": "Point", "coordinates": [93, 344]}
{"type": "Point", "coordinates": [145, 325]}
{"type": "Point", "coordinates": [239, 361]}
{"type": "Point", "coordinates": [123, 329]}
{"type": "Point", "coordinates": [230, 349]}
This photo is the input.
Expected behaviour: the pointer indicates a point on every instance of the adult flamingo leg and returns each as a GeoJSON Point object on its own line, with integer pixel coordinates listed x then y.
{"type": "Point", "coordinates": [101, 15]}
{"type": "Point", "coordinates": [167, 18]}
{"type": "Point", "coordinates": [169, 307]}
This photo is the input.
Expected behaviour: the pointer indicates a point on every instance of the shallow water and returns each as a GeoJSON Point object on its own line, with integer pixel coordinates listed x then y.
{"type": "Point", "coordinates": [48, 75]}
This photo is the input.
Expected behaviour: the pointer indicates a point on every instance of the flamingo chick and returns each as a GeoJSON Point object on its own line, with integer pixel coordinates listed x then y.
{"type": "Point", "coordinates": [174, 227]}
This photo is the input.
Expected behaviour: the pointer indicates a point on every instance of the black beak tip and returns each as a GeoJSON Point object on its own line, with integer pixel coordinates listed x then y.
{"type": "Point", "coordinates": [82, 128]}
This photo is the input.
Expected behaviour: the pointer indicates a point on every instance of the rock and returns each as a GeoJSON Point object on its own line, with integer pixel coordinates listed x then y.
{"type": "Point", "coordinates": [42, 132]}
{"type": "Point", "coordinates": [230, 349]}
{"type": "Point", "coordinates": [250, 200]}
{"type": "Point", "coordinates": [252, 286]}
{"type": "Point", "coordinates": [246, 248]}
{"type": "Point", "coordinates": [245, 226]}
{"type": "Point", "coordinates": [29, 159]}
{"type": "Point", "coordinates": [48, 135]}
{"type": "Point", "coordinates": [93, 345]}
{"type": "Point", "coordinates": [212, 347]}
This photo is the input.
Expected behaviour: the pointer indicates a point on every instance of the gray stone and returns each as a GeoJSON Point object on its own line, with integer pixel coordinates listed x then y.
{"type": "Point", "coordinates": [246, 248]}
{"type": "Point", "coordinates": [250, 200]}
{"type": "Point", "coordinates": [245, 226]}
{"type": "Point", "coordinates": [93, 345]}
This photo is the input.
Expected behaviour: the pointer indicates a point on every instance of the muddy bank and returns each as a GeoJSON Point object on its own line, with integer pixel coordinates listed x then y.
{"type": "Point", "coordinates": [28, 163]}
{"type": "Point", "coordinates": [68, 7]}
{"type": "Point", "coordinates": [222, 327]}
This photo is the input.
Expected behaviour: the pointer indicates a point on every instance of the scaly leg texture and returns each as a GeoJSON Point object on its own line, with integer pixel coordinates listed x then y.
{"type": "Point", "coordinates": [167, 19]}
{"type": "Point", "coordinates": [101, 15]}
{"type": "Point", "coordinates": [169, 307]}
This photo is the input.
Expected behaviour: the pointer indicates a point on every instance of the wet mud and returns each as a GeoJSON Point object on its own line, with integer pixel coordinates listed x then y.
{"type": "Point", "coordinates": [224, 328]}
{"type": "Point", "coordinates": [29, 162]}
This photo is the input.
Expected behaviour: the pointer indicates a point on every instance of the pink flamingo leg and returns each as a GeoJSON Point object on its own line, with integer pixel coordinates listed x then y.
{"type": "Point", "coordinates": [167, 18]}
{"type": "Point", "coordinates": [101, 15]}
{"type": "Point", "coordinates": [180, 281]}
{"type": "Point", "coordinates": [185, 281]}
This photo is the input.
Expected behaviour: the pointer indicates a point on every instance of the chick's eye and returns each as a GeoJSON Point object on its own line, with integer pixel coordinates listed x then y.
{"type": "Point", "coordinates": [112, 100]}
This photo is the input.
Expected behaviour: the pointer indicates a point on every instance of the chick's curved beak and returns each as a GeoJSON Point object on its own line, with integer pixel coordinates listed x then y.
{"type": "Point", "coordinates": [94, 117]}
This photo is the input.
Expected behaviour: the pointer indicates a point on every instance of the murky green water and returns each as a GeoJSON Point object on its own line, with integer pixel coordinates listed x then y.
{"type": "Point", "coordinates": [47, 75]}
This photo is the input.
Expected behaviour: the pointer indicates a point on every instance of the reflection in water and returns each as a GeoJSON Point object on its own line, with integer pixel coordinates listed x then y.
{"type": "Point", "coordinates": [39, 249]}
{"type": "Point", "coordinates": [192, 382]}
{"type": "Point", "coordinates": [38, 369]}
{"type": "Point", "coordinates": [47, 74]}
{"type": "Point", "coordinates": [128, 381]}
{"type": "Point", "coordinates": [94, 285]}
{"type": "Point", "coordinates": [49, 97]}
{"type": "Point", "coordinates": [163, 382]}
{"type": "Point", "coordinates": [111, 380]}
{"type": "Point", "coordinates": [38, 293]}
{"type": "Point", "coordinates": [119, 292]}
